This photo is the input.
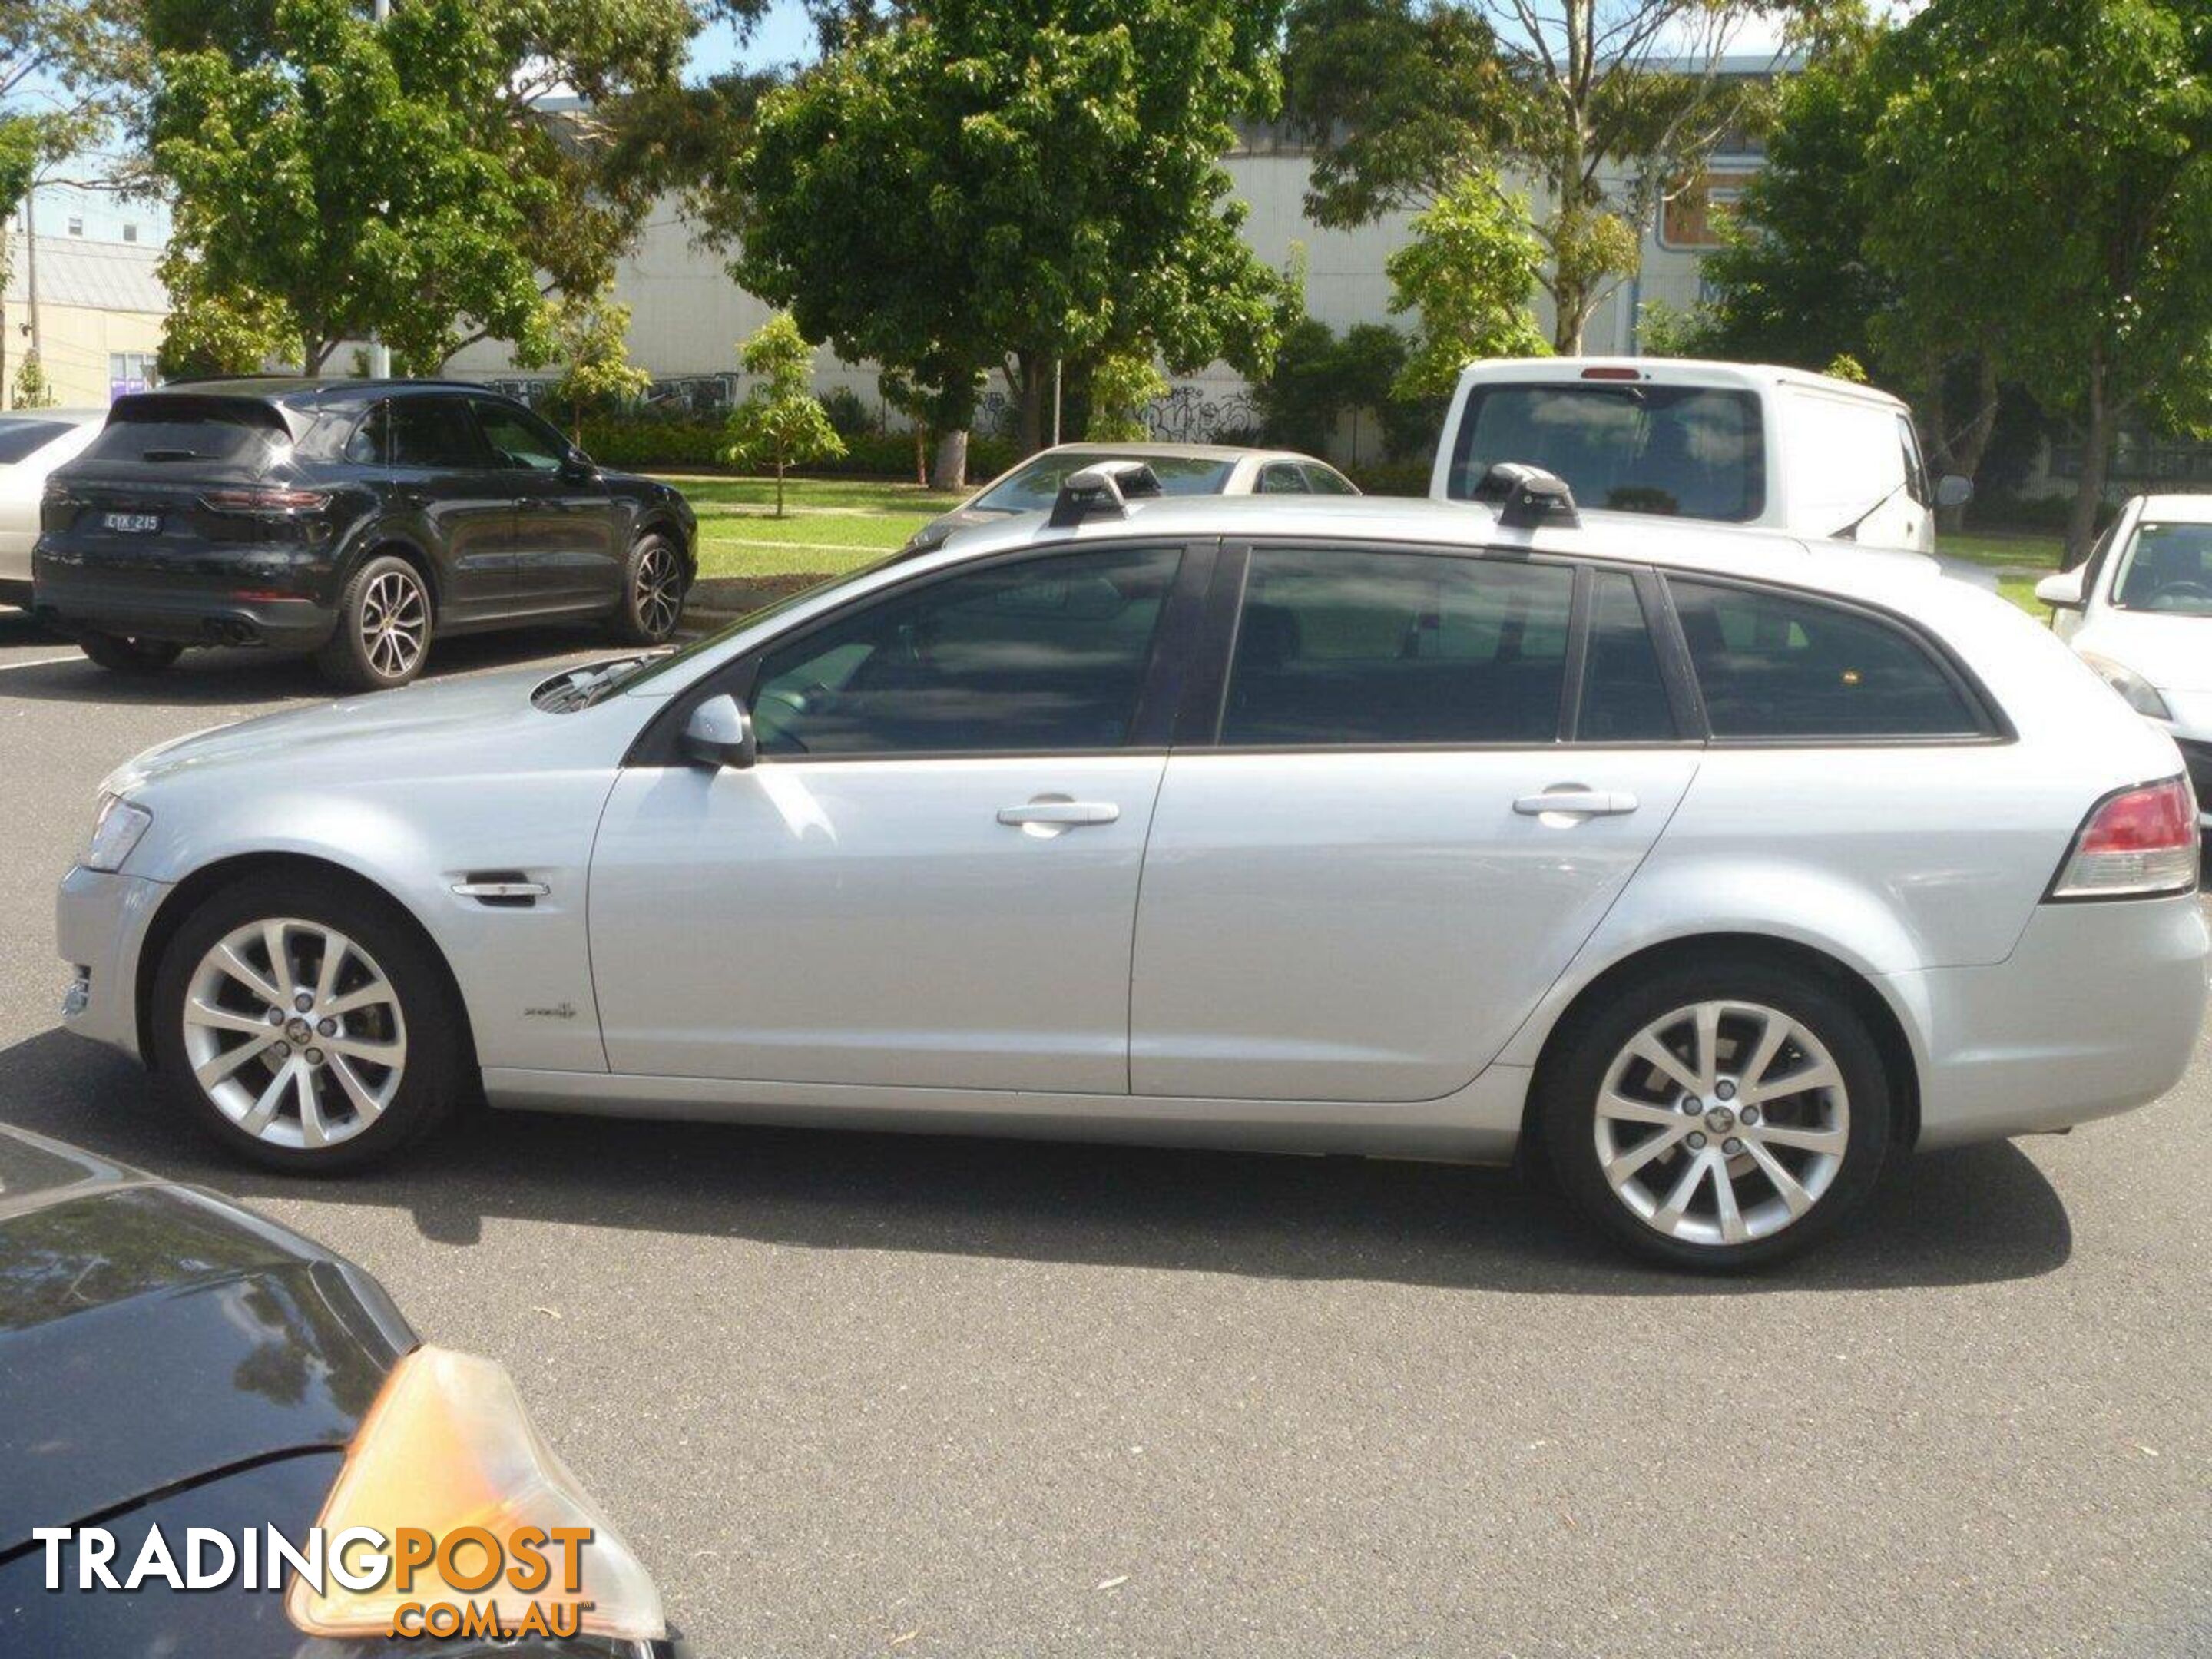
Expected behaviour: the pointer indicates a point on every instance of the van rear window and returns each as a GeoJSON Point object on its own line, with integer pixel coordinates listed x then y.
{"type": "Point", "coordinates": [1680, 450]}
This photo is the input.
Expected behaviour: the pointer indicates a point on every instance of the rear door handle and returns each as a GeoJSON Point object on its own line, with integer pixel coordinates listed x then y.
{"type": "Point", "coordinates": [1581, 803]}
{"type": "Point", "coordinates": [1050, 817]}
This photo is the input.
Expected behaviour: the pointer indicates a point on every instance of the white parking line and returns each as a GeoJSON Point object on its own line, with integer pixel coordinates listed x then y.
{"type": "Point", "coordinates": [42, 662]}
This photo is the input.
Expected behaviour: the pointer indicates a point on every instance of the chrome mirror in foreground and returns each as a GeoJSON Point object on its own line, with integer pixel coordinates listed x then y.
{"type": "Point", "coordinates": [720, 732]}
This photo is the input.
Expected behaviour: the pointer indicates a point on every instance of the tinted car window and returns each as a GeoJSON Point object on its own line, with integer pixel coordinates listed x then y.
{"type": "Point", "coordinates": [2168, 567]}
{"type": "Point", "coordinates": [1044, 656]}
{"type": "Point", "coordinates": [434, 432]}
{"type": "Point", "coordinates": [21, 440]}
{"type": "Point", "coordinates": [1697, 452]}
{"type": "Point", "coordinates": [1771, 665]}
{"type": "Point", "coordinates": [519, 439]}
{"type": "Point", "coordinates": [1624, 695]}
{"type": "Point", "coordinates": [1358, 649]}
{"type": "Point", "coordinates": [1325, 481]}
{"type": "Point", "coordinates": [371, 440]}
{"type": "Point", "coordinates": [1033, 489]}
{"type": "Point", "coordinates": [1282, 478]}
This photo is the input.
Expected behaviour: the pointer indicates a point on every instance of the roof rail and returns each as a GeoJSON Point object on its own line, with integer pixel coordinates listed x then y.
{"type": "Point", "coordinates": [1527, 497]}
{"type": "Point", "coordinates": [1101, 492]}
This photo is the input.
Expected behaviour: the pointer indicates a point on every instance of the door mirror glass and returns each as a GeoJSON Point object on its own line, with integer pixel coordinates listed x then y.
{"type": "Point", "coordinates": [1951, 490]}
{"type": "Point", "coordinates": [577, 467]}
{"type": "Point", "coordinates": [2064, 591]}
{"type": "Point", "coordinates": [719, 734]}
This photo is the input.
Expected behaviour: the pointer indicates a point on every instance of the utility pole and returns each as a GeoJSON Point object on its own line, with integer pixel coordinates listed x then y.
{"type": "Point", "coordinates": [1055, 402]}
{"type": "Point", "coordinates": [379, 354]}
{"type": "Point", "coordinates": [30, 270]}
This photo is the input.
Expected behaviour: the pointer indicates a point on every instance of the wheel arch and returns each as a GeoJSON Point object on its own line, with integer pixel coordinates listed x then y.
{"type": "Point", "coordinates": [189, 894]}
{"type": "Point", "coordinates": [384, 541]}
{"type": "Point", "coordinates": [1884, 1024]}
{"type": "Point", "coordinates": [662, 520]}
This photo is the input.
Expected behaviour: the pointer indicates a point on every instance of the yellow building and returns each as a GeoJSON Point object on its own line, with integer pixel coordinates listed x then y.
{"type": "Point", "coordinates": [99, 320]}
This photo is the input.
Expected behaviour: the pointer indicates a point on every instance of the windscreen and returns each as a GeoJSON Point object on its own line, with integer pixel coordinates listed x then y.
{"type": "Point", "coordinates": [2168, 569]}
{"type": "Point", "coordinates": [1034, 488]}
{"type": "Point", "coordinates": [1681, 451]}
{"type": "Point", "coordinates": [20, 440]}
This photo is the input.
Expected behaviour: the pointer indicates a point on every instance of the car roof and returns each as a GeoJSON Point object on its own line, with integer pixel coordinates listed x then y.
{"type": "Point", "coordinates": [2178, 508]}
{"type": "Point", "coordinates": [1876, 574]}
{"type": "Point", "coordinates": [302, 389]}
{"type": "Point", "coordinates": [1670, 371]}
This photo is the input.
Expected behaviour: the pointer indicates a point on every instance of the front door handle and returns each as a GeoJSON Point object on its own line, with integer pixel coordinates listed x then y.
{"type": "Point", "coordinates": [1055, 815]}
{"type": "Point", "coordinates": [1576, 802]}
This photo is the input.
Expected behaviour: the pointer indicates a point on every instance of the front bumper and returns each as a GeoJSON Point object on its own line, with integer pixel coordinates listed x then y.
{"type": "Point", "coordinates": [2097, 1010]}
{"type": "Point", "coordinates": [100, 922]}
{"type": "Point", "coordinates": [204, 605]}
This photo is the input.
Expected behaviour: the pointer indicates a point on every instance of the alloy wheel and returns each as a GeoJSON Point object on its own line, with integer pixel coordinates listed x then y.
{"type": "Point", "coordinates": [294, 1033]}
{"type": "Point", "coordinates": [395, 624]}
{"type": "Point", "coordinates": [1722, 1122]}
{"type": "Point", "coordinates": [660, 590]}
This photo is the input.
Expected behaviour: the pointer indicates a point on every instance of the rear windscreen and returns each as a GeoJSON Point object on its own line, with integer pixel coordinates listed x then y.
{"type": "Point", "coordinates": [168, 428]}
{"type": "Point", "coordinates": [1683, 451]}
{"type": "Point", "coordinates": [20, 440]}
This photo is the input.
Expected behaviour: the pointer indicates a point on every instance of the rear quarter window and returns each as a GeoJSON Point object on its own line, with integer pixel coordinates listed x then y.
{"type": "Point", "coordinates": [1779, 666]}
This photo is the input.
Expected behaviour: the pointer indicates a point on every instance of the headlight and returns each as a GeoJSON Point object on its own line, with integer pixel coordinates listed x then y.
{"type": "Point", "coordinates": [115, 832]}
{"type": "Point", "coordinates": [448, 1447]}
{"type": "Point", "coordinates": [2142, 696]}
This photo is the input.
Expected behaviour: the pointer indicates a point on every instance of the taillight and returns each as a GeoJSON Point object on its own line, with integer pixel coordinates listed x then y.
{"type": "Point", "coordinates": [58, 494]}
{"type": "Point", "coordinates": [2138, 842]}
{"type": "Point", "coordinates": [270, 499]}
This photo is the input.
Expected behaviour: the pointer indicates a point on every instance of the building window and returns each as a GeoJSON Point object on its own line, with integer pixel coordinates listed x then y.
{"type": "Point", "coordinates": [129, 372]}
{"type": "Point", "coordinates": [77, 224]}
{"type": "Point", "coordinates": [1690, 219]}
{"type": "Point", "coordinates": [130, 233]}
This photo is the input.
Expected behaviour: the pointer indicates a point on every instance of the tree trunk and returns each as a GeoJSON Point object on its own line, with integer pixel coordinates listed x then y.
{"type": "Point", "coordinates": [1965, 456]}
{"type": "Point", "coordinates": [1033, 389]}
{"type": "Point", "coordinates": [921, 455]}
{"type": "Point", "coordinates": [951, 471]}
{"type": "Point", "coordinates": [2096, 461]}
{"type": "Point", "coordinates": [779, 486]}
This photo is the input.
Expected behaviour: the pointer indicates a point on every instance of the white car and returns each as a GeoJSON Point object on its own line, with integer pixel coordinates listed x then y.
{"type": "Point", "coordinates": [2139, 611]}
{"type": "Point", "coordinates": [1807, 454]}
{"type": "Point", "coordinates": [32, 443]}
{"type": "Point", "coordinates": [1722, 867]}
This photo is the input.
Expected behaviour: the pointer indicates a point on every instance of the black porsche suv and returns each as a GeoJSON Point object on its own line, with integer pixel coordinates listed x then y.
{"type": "Point", "coordinates": [353, 519]}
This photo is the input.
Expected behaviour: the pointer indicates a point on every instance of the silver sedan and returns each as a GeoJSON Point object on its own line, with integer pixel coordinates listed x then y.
{"type": "Point", "coordinates": [1714, 870]}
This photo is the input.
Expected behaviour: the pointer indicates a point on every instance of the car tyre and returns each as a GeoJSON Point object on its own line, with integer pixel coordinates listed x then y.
{"type": "Point", "coordinates": [123, 655]}
{"type": "Point", "coordinates": [653, 590]}
{"type": "Point", "coordinates": [381, 1042]}
{"type": "Point", "coordinates": [1745, 1170]}
{"type": "Point", "coordinates": [384, 628]}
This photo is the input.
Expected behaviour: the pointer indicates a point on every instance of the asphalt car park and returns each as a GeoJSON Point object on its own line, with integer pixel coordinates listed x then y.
{"type": "Point", "coordinates": [853, 1394]}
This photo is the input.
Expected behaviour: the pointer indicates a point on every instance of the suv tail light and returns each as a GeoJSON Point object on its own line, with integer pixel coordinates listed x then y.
{"type": "Point", "coordinates": [2137, 842]}
{"type": "Point", "coordinates": [268, 498]}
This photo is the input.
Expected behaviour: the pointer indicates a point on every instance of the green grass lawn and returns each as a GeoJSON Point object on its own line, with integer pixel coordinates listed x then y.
{"type": "Point", "coordinates": [829, 525]}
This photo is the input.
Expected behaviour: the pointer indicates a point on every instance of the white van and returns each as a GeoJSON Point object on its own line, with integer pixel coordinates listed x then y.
{"type": "Point", "coordinates": [1738, 443]}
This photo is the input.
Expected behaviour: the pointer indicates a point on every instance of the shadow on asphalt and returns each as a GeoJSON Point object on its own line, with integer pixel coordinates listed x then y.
{"type": "Point", "coordinates": [1973, 1216]}
{"type": "Point", "coordinates": [228, 676]}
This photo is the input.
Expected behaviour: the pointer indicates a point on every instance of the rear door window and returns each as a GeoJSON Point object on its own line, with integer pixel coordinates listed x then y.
{"type": "Point", "coordinates": [1776, 666]}
{"type": "Point", "coordinates": [1686, 450]}
{"type": "Point", "coordinates": [436, 433]}
{"type": "Point", "coordinates": [1347, 649]}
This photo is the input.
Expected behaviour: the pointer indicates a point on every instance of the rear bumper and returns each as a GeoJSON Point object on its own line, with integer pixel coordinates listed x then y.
{"type": "Point", "coordinates": [203, 605]}
{"type": "Point", "coordinates": [2098, 1009]}
{"type": "Point", "coordinates": [100, 920]}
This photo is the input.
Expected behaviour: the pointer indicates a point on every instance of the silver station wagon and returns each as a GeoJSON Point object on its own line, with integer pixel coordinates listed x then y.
{"type": "Point", "coordinates": [1716, 869]}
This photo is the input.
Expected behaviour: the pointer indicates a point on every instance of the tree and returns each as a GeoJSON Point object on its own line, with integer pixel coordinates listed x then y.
{"type": "Point", "coordinates": [1468, 272]}
{"type": "Point", "coordinates": [1002, 186]}
{"type": "Point", "coordinates": [780, 420]}
{"type": "Point", "coordinates": [2062, 157]}
{"type": "Point", "coordinates": [1121, 386]}
{"type": "Point", "coordinates": [401, 178]}
{"type": "Point", "coordinates": [32, 389]}
{"type": "Point", "coordinates": [591, 334]}
{"type": "Point", "coordinates": [1611, 106]}
{"type": "Point", "coordinates": [213, 330]}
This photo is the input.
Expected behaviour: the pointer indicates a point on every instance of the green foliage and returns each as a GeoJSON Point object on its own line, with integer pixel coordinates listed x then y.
{"type": "Point", "coordinates": [646, 440]}
{"type": "Point", "coordinates": [397, 180]}
{"type": "Point", "coordinates": [1405, 100]}
{"type": "Point", "coordinates": [1121, 386]}
{"type": "Point", "coordinates": [214, 330]}
{"type": "Point", "coordinates": [1468, 272]}
{"type": "Point", "coordinates": [591, 344]}
{"type": "Point", "coordinates": [997, 186]}
{"type": "Point", "coordinates": [1665, 331]}
{"type": "Point", "coordinates": [1844, 366]}
{"type": "Point", "coordinates": [2045, 180]}
{"type": "Point", "coordinates": [780, 420]}
{"type": "Point", "coordinates": [32, 389]}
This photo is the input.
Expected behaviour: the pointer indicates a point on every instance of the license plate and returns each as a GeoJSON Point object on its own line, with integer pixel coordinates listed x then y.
{"type": "Point", "coordinates": [135, 524]}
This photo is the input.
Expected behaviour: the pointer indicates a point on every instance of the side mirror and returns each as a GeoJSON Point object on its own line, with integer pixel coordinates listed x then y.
{"type": "Point", "coordinates": [578, 468]}
{"type": "Point", "coordinates": [1951, 490]}
{"type": "Point", "coordinates": [2063, 592]}
{"type": "Point", "coordinates": [721, 733]}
